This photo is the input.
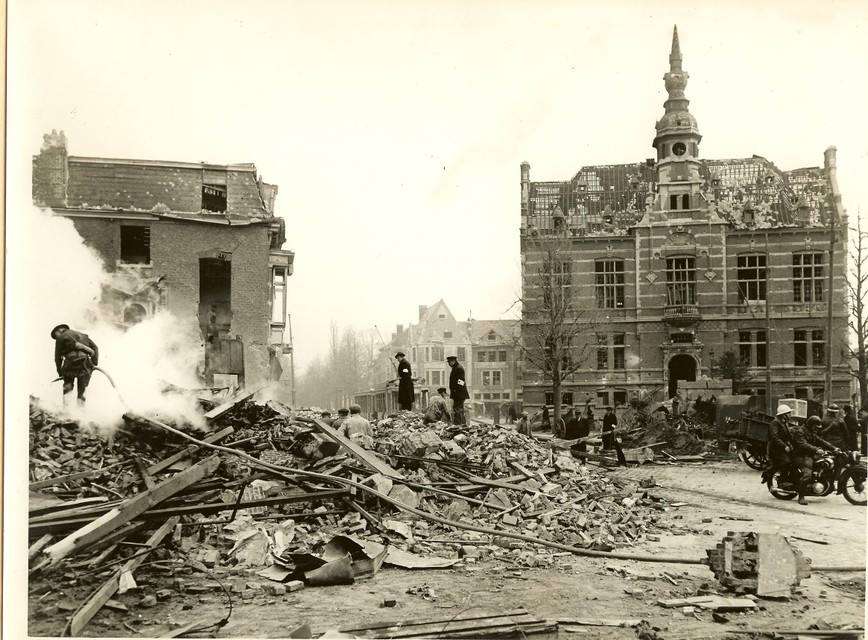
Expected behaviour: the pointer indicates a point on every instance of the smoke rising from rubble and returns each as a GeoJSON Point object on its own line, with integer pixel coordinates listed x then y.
{"type": "Point", "coordinates": [64, 279]}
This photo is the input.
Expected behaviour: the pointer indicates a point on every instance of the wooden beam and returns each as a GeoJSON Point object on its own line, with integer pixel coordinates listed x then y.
{"type": "Point", "coordinates": [36, 547]}
{"type": "Point", "coordinates": [368, 458]}
{"type": "Point", "coordinates": [229, 404]}
{"type": "Point", "coordinates": [168, 462]}
{"type": "Point", "coordinates": [41, 484]}
{"type": "Point", "coordinates": [204, 509]}
{"type": "Point", "coordinates": [143, 471]}
{"type": "Point", "coordinates": [83, 616]}
{"type": "Point", "coordinates": [133, 507]}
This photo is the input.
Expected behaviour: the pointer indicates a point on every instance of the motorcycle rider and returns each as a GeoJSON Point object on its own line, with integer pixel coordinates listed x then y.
{"type": "Point", "coordinates": [807, 443]}
{"type": "Point", "coordinates": [780, 440]}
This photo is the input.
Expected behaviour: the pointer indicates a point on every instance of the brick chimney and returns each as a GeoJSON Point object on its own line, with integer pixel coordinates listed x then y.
{"type": "Point", "coordinates": [422, 309]}
{"type": "Point", "coordinates": [50, 171]}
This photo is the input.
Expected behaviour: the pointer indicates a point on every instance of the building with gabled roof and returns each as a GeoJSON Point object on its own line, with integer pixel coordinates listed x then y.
{"type": "Point", "coordinates": [488, 350]}
{"type": "Point", "coordinates": [190, 238]}
{"type": "Point", "coordinates": [684, 258]}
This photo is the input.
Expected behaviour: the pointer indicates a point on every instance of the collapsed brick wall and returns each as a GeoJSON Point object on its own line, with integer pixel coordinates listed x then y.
{"type": "Point", "coordinates": [176, 248]}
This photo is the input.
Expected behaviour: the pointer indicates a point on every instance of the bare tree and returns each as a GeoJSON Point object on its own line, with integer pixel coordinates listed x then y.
{"type": "Point", "coordinates": [856, 352]}
{"type": "Point", "coordinates": [559, 333]}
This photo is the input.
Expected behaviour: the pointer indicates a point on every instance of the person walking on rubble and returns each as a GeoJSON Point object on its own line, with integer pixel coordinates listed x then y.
{"type": "Point", "coordinates": [405, 383]}
{"type": "Point", "coordinates": [343, 414]}
{"type": "Point", "coordinates": [457, 390]}
{"type": "Point", "coordinates": [523, 424]}
{"type": "Point", "coordinates": [356, 424]}
{"type": "Point", "coordinates": [75, 356]}
{"type": "Point", "coordinates": [438, 410]}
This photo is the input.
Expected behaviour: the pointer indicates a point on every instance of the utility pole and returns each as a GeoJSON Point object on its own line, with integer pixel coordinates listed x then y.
{"type": "Point", "coordinates": [829, 299]}
{"type": "Point", "coordinates": [291, 362]}
{"type": "Point", "coordinates": [768, 331]}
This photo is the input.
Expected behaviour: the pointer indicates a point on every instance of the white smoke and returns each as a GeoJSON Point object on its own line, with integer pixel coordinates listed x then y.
{"type": "Point", "coordinates": [62, 281]}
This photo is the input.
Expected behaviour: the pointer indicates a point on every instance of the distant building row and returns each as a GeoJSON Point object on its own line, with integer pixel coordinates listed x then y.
{"type": "Point", "coordinates": [486, 348]}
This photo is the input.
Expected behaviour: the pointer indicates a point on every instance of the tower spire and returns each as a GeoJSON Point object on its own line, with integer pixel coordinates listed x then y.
{"type": "Point", "coordinates": [677, 122]}
{"type": "Point", "coordinates": [675, 55]}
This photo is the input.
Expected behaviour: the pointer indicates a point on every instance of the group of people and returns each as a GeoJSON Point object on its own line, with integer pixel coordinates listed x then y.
{"type": "Point", "coordinates": [792, 444]}
{"type": "Point", "coordinates": [438, 409]}
{"type": "Point", "coordinates": [349, 422]}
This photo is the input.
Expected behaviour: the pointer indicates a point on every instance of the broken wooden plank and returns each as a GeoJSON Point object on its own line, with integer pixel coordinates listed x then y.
{"type": "Point", "coordinates": [406, 624]}
{"type": "Point", "coordinates": [71, 477]}
{"type": "Point", "coordinates": [204, 509]}
{"type": "Point", "coordinates": [368, 458]}
{"type": "Point", "coordinates": [180, 455]}
{"type": "Point", "coordinates": [130, 509]}
{"type": "Point", "coordinates": [147, 478]}
{"type": "Point", "coordinates": [710, 602]}
{"type": "Point", "coordinates": [37, 546]}
{"type": "Point", "coordinates": [229, 404]}
{"type": "Point", "coordinates": [601, 622]}
{"type": "Point", "coordinates": [194, 627]}
{"type": "Point", "coordinates": [85, 613]}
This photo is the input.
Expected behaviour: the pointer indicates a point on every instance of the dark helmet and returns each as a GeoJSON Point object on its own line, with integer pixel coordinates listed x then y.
{"type": "Point", "coordinates": [813, 422]}
{"type": "Point", "coordinates": [58, 328]}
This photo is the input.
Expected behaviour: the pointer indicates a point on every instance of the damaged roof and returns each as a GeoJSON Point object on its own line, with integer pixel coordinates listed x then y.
{"type": "Point", "coordinates": [617, 194]}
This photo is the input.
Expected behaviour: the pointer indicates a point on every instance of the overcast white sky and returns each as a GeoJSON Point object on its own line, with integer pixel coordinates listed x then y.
{"type": "Point", "coordinates": [395, 130]}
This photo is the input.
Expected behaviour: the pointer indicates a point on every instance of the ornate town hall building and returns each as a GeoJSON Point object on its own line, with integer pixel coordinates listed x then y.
{"type": "Point", "coordinates": [683, 259]}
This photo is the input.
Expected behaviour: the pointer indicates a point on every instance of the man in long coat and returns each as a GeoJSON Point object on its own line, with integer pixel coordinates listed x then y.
{"type": "Point", "coordinates": [75, 356]}
{"type": "Point", "coordinates": [405, 383]}
{"type": "Point", "coordinates": [457, 390]}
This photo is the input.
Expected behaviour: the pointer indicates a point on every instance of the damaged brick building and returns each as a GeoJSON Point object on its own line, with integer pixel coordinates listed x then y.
{"type": "Point", "coordinates": [190, 238]}
{"type": "Point", "coordinates": [683, 259]}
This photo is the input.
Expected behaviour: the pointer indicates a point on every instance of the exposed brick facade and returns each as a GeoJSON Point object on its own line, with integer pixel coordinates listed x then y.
{"type": "Point", "coordinates": [682, 236]}
{"type": "Point", "coordinates": [103, 196]}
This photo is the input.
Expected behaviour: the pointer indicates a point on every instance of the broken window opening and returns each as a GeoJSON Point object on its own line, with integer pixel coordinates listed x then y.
{"type": "Point", "coordinates": [135, 245]}
{"type": "Point", "coordinates": [278, 295]}
{"type": "Point", "coordinates": [215, 290]}
{"type": "Point", "coordinates": [214, 198]}
{"type": "Point", "coordinates": [134, 314]}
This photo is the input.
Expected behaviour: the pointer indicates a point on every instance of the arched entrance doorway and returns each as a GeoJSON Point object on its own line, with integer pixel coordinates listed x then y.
{"type": "Point", "coordinates": [681, 367]}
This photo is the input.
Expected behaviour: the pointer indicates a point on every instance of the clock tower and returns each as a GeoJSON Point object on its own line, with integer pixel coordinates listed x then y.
{"type": "Point", "coordinates": [677, 143]}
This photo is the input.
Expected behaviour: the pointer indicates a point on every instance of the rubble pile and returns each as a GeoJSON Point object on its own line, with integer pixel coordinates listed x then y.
{"type": "Point", "coordinates": [295, 511]}
{"type": "Point", "coordinates": [680, 434]}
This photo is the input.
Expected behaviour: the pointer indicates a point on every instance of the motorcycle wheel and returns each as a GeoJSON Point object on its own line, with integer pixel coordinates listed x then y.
{"type": "Point", "coordinates": [754, 461]}
{"type": "Point", "coordinates": [853, 495]}
{"type": "Point", "coordinates": [780, 494]}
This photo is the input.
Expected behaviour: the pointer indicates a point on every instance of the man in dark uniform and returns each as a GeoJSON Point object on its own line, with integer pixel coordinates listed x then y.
{"type": "Point", "coordinates": [457, 390]}
{"type": "Point", "coordinates": [609, 424]}
{"type": "Point", "coordinates": [852, 425]}
{"type": "Point", "coordinates": [780, 440]}
{"type": "Point", "coordinates": [806, 444]}
{"type": "Point", "coordinates": [833, 428]}
{"type": "Point", "coordinates": [75, 356]}
{"type": "Point", "coordinates": [405, 383]}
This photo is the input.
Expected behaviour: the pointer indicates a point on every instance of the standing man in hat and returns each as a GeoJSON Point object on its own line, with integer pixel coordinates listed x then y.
{"type": "Point", "coordinates": [75, 356]}
{"type": "Point", "coordinates": [834, 430]}
{"type": "Point", "coordinates": [405, 383]}
{"type": "Point", "coordinates": [457, 390]}
{"type": "Point", "coordinates": [610, 421]}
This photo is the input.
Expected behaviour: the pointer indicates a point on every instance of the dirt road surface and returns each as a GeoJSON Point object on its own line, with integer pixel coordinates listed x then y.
{"type": "Point", "coordinates": [714, 498]}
